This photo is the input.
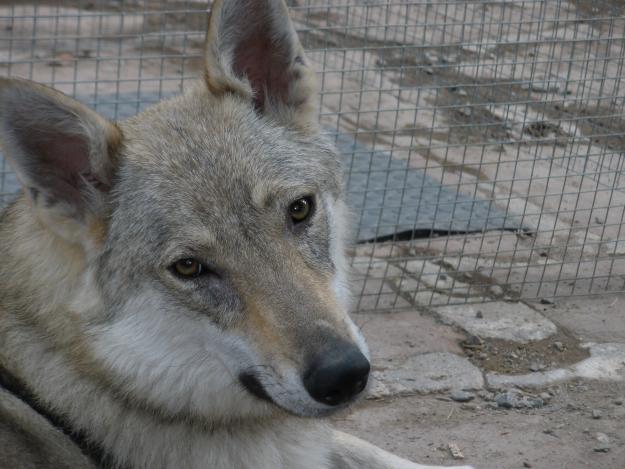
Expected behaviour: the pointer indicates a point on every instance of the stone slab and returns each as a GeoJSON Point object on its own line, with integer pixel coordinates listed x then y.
{"type": "Point", "coordinates": [512, 321]}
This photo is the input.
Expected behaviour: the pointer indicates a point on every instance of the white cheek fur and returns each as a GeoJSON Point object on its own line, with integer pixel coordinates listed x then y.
{"type": "Point", "coordinates": [174, 361]}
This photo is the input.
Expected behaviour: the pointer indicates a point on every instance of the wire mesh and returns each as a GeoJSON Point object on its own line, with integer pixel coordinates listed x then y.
{"type": "Point", "coordinates": [483, 140]}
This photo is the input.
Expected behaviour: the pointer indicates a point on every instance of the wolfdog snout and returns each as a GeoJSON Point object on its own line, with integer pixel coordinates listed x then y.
{"type": "Point", "coordinates": [337, 375]}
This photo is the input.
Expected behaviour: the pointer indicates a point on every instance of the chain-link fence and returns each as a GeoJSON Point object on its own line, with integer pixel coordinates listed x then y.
{"type": "Point", "coordinates": [483, 140]}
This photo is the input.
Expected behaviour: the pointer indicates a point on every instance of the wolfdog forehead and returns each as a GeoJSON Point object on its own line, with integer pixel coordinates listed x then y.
{"type": "Point", "coordinates": [208, 145]}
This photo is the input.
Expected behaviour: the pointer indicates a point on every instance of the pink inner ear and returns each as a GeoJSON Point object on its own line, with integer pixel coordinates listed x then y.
{"type": "Point", "coordinates": [59, 166]}
{"type": "Point", "coordinates": [265, 63]}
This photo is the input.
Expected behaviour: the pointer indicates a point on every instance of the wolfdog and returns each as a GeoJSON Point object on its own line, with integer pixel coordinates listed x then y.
{"type": "Point", "coordinates": [174, 290]}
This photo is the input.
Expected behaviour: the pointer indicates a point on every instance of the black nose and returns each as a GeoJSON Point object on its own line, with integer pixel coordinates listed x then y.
{"type": "Point", "coordinates": [337, 375]}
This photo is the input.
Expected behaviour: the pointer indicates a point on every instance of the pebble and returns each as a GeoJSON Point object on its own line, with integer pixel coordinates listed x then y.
{"type": "Point", "coordinates": [534, 367]}
{"type": "Point", "coordinates": [602, 438]}
{"type": "Point", "coordinates": [461, 396]}
{"type": "Point", "coordinates": [545, 301]}
{"type": "Point", "coordinates": [618, 402]}
{"type": "Point", "coordinates": [601, 449]}
{"type": "Point", "coordinates": [479, 315]}
{"type": "Point", "coordinates": [545, 396]}
{"type": "Point", "coordinates": [526, 464]}
{"type": "Point", "coordinates": [559, 346]}
{"type": "Point", "coordinates": [430, 58]}
{"type": "Point", "coordinates": [473, 342]}
{"type": "Point", "coordinates": [596, 414]}
{"type": "Point", "coordinates": [515, 399]}
{"type": "Point", "coordinates": [455, 451]}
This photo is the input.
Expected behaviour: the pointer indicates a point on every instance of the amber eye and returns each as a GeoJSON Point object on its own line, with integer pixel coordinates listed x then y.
{"type": "Point", "coordinates": [188, 268]}
{"type": "Point", "coordinates": [301, 209]}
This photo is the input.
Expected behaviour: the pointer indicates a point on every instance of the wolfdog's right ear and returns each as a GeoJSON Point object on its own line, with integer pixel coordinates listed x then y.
{"type": "Point", "coordinates": [252, 50]}
{"type": "Point", "coordinates": [63, 152]}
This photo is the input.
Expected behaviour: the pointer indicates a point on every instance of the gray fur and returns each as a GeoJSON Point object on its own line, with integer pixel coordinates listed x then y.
{"type": "Point", "coordinates": [28, 441]}
{"type": "Point", "coordinates": [95, 322]}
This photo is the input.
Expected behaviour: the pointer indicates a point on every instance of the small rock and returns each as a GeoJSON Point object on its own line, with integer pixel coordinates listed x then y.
{"type": "Point", "coordinates": [429, 70]}
{"type": "Point", "coordinates": [601, 449]}
{"type": "Point", "coordinates": [482, 356]}
{"type": "Point", "coordinates": [596, 414]}
{"type": "Point", "coordinates": [546, 301]}
{"type": "Point", "coordinates": [526, 464]}
{"type": "Point", "coordinates": [430, 58]}
{"type": "Point", "coordinates": [465, 111]}
{"type": "Point", "coordinates": [479, 314]}
{"type": "Point", "coordinates": [535, 367]}
{"type": "Point", "coordinates": [461, 396]}
{"type": "Point", "coordinates": [496, 290]}
{"type": "Point", "coordinates": [602, 438]}
{"type": "Point", "coordinates": [617, 402]}
{"type": "Point", "coordinates": [545, 396]}
{"type": "Point", "coordinates": [559, 346]}
{"type": "Point", "coordinates": [473, 342]}
{"type": "Point", "coordinates": [485, 395]}
{"type": "Point", "coordinates": [455, 451]}
{"type": "Point", "coordinates": [515, 399]}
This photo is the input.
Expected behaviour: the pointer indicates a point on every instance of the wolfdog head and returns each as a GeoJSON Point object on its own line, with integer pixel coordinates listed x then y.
{"type": "Point", "coordinates": [209, 280]}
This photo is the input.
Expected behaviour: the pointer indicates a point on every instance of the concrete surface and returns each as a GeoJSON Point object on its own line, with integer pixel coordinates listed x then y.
{"type": "Point", "coordinates": [507, 321]}
{"type": "Point", "coordinates": [428, 372]}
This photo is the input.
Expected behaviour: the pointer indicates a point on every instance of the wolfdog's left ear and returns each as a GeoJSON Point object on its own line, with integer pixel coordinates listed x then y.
{"type": "Point", "coordinates": [252, 50]}
{"type": "Point", "coordinates": [63, 152]}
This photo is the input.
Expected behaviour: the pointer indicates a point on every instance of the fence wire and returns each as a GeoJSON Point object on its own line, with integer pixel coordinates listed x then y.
{"type": "Point", "coordinates": [483, 141]}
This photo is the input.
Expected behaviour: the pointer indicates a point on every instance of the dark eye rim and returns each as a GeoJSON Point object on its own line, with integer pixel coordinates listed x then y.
{"type": "Point", "coordinates": [310, 200]}
{"type": "Point", "coordinates": [202, 269]}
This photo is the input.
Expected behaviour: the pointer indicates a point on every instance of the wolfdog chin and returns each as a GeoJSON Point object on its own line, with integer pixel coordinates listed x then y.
{"type": "Point", "coordinates": [173, 287]}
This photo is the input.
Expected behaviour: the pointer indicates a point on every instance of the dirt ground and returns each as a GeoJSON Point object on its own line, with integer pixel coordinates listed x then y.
{"type": "Point", "coordinates": [562, 434]}
{"type": "Point", "coordinates": [580, 425]}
